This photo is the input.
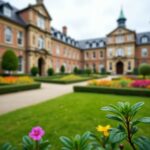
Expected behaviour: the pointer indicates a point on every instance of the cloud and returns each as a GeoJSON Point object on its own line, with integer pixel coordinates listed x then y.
{"type": "Point", "coordinates": [94, 18]}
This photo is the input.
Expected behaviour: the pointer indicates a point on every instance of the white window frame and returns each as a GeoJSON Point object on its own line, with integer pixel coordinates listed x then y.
{"type": "Point", "coordinates": [41, 43]}
{"type": "Point", "coordinates": [57, 50]}
{"type": "Point", "coordinates": [7, 11]}
{"type": "Point", "coordinates": [120, 52]}
{"type": "Point", "coordinates": [110, 52]}
{"type": "Point", "coordinates": [129, 66]}
{"type": "Point", "coordinates": [144, 52]}
{"type": "Point", "coordinates": [144, 40]}
{"type": "Point", "coordinates": [8, 34]}
{"type": "Point", "coordinates": [20, 37]}
{"type": "Point", "coordinates": [20, 64]}
{"type": "Point", "coordinates": [41, 22]}
{"type": "Point", "coordinates": [120, 39]}
{"type": "Point", "coordinates": [129, 51]}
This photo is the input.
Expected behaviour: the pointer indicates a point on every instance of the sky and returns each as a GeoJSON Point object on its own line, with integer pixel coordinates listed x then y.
{"type": "Point", "coordinates": [88, 19]}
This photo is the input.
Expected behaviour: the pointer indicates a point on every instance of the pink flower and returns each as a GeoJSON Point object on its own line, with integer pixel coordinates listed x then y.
{"type": "Point", "coordinates": [140, 83]}
{"type": "Point", "coordinates": [36, 133]}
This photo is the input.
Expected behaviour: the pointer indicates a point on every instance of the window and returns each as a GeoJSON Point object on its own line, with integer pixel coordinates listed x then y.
{"type": "Point", "coordinates": [119, 39]}
{"type": "Point", "coordinates": [87, 55]}
{"type": "Point", "coordinates": [7, 11]}
{"type": "Point", "coordinates": [41, 22]}
{"type": "Point", "coordinates": [41, 44]}
{"type": "Point", "coordinates": [119, 52]}
{"type": "Point", "coordinates": [20, 38]}
{"type": "Point", "coordinates": [101, 54]}
{"type": "Point", "coordinates": [129, 65]}
{"type": "Point", "coordinates": [8, 35]}
{"type": "Point", "coordinates": [101, 68]}
{"type": "Point", "coordinates": [129, 52]}
{"type": "Point", "coordinates": [93, 44]}
{"type": "Point", "coordinates": [58, 50]}
{"type": "Point", "coordinates": [20, 64]}
{"type": "Point", "coordinates": [101, 44]}
{"type": "Point", "coordinates": [130, 37]}
{"type": "Point", "coordinates": [110, 66]}
{"type": "Point", "coordinates": [94, 55]}
{"type": "Point", "coordinates": [34, 39]}
{"type": "Point", "coordinates": [110, 52]}
{"type": "Point", "coordinates": [144, 52]}
{"type": "Point", "coordinates": [144, 40]}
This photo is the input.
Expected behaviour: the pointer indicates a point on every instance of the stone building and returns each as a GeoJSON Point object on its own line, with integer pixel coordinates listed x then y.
{"type": "Point", "coordinates": [28, 32]}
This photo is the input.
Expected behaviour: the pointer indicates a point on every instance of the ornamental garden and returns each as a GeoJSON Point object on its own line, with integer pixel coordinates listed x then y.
{"type": "Point", "coordinates": [104, 114]}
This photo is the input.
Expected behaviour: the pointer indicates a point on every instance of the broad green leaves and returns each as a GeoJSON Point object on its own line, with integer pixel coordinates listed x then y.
{"type": "Point", "coordinates": [7, 146]}
{"type": "Point", "coordinates": [77, 143]}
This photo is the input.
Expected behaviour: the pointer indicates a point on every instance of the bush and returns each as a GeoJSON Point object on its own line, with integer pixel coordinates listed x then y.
{"type": "Point", "coordinates": [34, 71]}
{"type": "Point", "coordinates": [135, 71]}
{"type": "Point", "coordinates": [75, 70]}
{"type": "Point", "coordinates": [108, 90]}
{"type": "Point", "coordinates": [16, 88]}
{"type": "Point", "coordinates": [103, 71]}
{"type": "Point", "coordinates": [88, 71]}
{"type": "Point", "coordinates": [9, 61]}
{"type": "Point", "coordinates": [62, 69]}
{"type": "Point", "coordinates": [144, 70]}
{"type": "Point", "coordinates": [50, 71]}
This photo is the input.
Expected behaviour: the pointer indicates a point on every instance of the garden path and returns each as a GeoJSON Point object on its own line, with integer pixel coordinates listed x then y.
{"type": "Point", "coordinates": [14, 101]}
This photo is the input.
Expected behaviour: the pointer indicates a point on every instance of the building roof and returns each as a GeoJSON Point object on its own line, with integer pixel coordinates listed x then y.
{"type": "Point", "coordinates": [122, 16]}
{"type": "Point", "coordinates": [58, 35]}
{"type": "Point", "coordinates": [14, 17]}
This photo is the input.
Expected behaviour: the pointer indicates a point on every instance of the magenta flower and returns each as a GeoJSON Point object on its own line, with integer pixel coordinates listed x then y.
{"type": "Point", "coordinates": [140, 83]}
{"type": "Point", "coordinates": [36, 133]}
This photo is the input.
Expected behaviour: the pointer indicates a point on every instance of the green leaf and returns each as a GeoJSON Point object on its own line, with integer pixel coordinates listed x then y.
{"type": "Point", "coordinates": [7, 146]}
{"type": "Point", "coordinates": [145, 120]}
{"type": "Point", "coordinates": [142, 142]}
{"type": "Point", "coordinates": [113, 117]}
{"type": "Point", "coordinates": [117, 135]}
{"type": "Point", "coordinates": [84, 138]}
{"type": "Point", "coordinates": [66, 142]}
{"type": "Point", "coordinates": [45, 145]}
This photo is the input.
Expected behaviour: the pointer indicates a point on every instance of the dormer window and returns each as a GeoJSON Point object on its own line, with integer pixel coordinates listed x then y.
{"type": "Point", "coordinates": [101, 44]}
{"type": "Point", "coordinates": [144, 39]}
{"type": "Point", "coordinates": [41, 22]}
{"type": "Point", "coordinates": [93, 44]}
{"type": "Point", "coordinates": [7, 11]}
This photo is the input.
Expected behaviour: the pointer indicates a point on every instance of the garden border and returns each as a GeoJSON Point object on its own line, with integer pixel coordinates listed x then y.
{"type": "Point", "coordinates": [108, 90]}
{"type": "Point", "coordinates": [16, 88]}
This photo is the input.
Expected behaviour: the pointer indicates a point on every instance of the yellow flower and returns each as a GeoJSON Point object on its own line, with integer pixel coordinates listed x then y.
{"type": "Point", "coordinates": [104, 129]}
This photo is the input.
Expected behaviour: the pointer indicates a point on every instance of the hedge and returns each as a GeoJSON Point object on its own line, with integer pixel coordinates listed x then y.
{"type": "Point", "coordinates": [107, 90]}
{"type": "Point", "coordinates": [16, 88]}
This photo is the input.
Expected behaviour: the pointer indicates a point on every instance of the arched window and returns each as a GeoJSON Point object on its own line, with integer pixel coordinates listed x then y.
{"type": "Point", "coordinates": [144, 39]}
{"type": "Point", "coordinates": [8, 35]}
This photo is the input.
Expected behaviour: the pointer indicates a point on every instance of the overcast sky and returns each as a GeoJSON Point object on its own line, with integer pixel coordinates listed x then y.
{"type": "Point", "coordinates": [94, 18]}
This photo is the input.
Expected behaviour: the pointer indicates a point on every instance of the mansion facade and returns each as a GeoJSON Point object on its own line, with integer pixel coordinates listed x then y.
{"type": "Point", "coordinates": [28, 32]}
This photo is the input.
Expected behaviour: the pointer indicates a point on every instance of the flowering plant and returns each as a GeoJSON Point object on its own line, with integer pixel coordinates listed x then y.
{"type": "Point", "coordinates": [140, 83]}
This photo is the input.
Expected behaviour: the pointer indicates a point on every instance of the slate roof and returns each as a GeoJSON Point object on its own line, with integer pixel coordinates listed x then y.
{"type": "Point", "coordinates": [58, 35]}
{"type": "Point", "coordinates": [139, 37]}
{"type": "Point", "coordinates": [15, 17]}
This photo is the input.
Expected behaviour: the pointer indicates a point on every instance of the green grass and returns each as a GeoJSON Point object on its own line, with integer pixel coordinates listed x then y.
{"type": "Point", "coordinates": [66, 115]}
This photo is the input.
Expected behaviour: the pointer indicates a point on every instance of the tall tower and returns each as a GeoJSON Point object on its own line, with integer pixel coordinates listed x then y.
{"type": "Point", "coordinates": [122, 19]}
{"type": "Point", "coordinates": [39, 1]}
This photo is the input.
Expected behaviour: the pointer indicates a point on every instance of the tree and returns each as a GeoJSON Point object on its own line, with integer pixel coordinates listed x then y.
{"type": "Point", "coordinates": [75, 70]}
{"type": "Point", "coordinates": [34, 71]}
{"type": "Point", "coordinates": [9, 61]}
{"type": "Point", "coordinates": [50, 71]}
{"type": "Point", "coordinates": [62, 69]}
{"type": "Point", "coordinates": [88, 71]}
{"type": "Point", "coordinates": [144, 69]}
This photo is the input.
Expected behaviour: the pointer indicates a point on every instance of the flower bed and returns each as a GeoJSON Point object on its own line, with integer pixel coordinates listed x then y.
{"type": "Point", "coordinates": [14, 84]}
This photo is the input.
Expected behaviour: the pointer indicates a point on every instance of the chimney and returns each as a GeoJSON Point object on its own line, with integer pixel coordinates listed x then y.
{"type": "Point", "coordinates": [39, 1]}
{"type": "Point", "coordinates": [64, 30]}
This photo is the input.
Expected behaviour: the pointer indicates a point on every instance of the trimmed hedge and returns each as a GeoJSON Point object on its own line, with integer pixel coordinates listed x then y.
{"type": "Point", "coordinates": [107, 90]}
{"type": "Point", "coordinates": [61, 82]}
{"type": "Point", "coordinates": [16, 88]}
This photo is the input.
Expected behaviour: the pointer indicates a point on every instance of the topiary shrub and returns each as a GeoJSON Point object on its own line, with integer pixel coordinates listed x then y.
{"type": "Point", "coordinates": [88, 71]}
{"type": "Point", "coordinates": [144, 69]}
{"type": "Point", "coordinates": [62, 69]}
{"type": "Point", "coordinates": [103, 71]}
{"type": "Point", "coordinates": [34, 71]}
{"type": "Point", "coordinates": [50, 71]}
{"type": "Point", "coordinates": [9, 61]}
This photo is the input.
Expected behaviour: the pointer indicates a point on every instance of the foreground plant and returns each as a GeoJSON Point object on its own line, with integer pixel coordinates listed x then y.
{"type": "Point", "coordinates": [125, 114]}
{"type": "Point", "coordinates": [79, 142]}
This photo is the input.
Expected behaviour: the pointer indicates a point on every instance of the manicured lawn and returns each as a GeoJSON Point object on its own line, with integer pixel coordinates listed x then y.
{"type": "Point", "coordinates": [66, 115]}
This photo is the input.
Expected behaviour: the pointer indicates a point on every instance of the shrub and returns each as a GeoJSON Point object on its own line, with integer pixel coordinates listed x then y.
{"type": "Point", "coordinates": [34, 71]}
{"type": "Point", "coordinates": [50, 71]}
{"type": "Point", "coordinates": [124, 83]}
{"type": "Point", "coordinates": [104, 83]}
{"type": "Point", "coordinates": [103, 71]}
{"type": "Point", "coordinates": [135, 71]}
{"type": "Point", "coordinates": [144, 70]}
{"type": "Point", "coordinates": [75, 70]}
{"type": "Point", "coordinates": [62, 69]}
{"type": "Point", "coordinates": [9, 61]}
{"type": "Point", "coordinates": [88, 71]}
